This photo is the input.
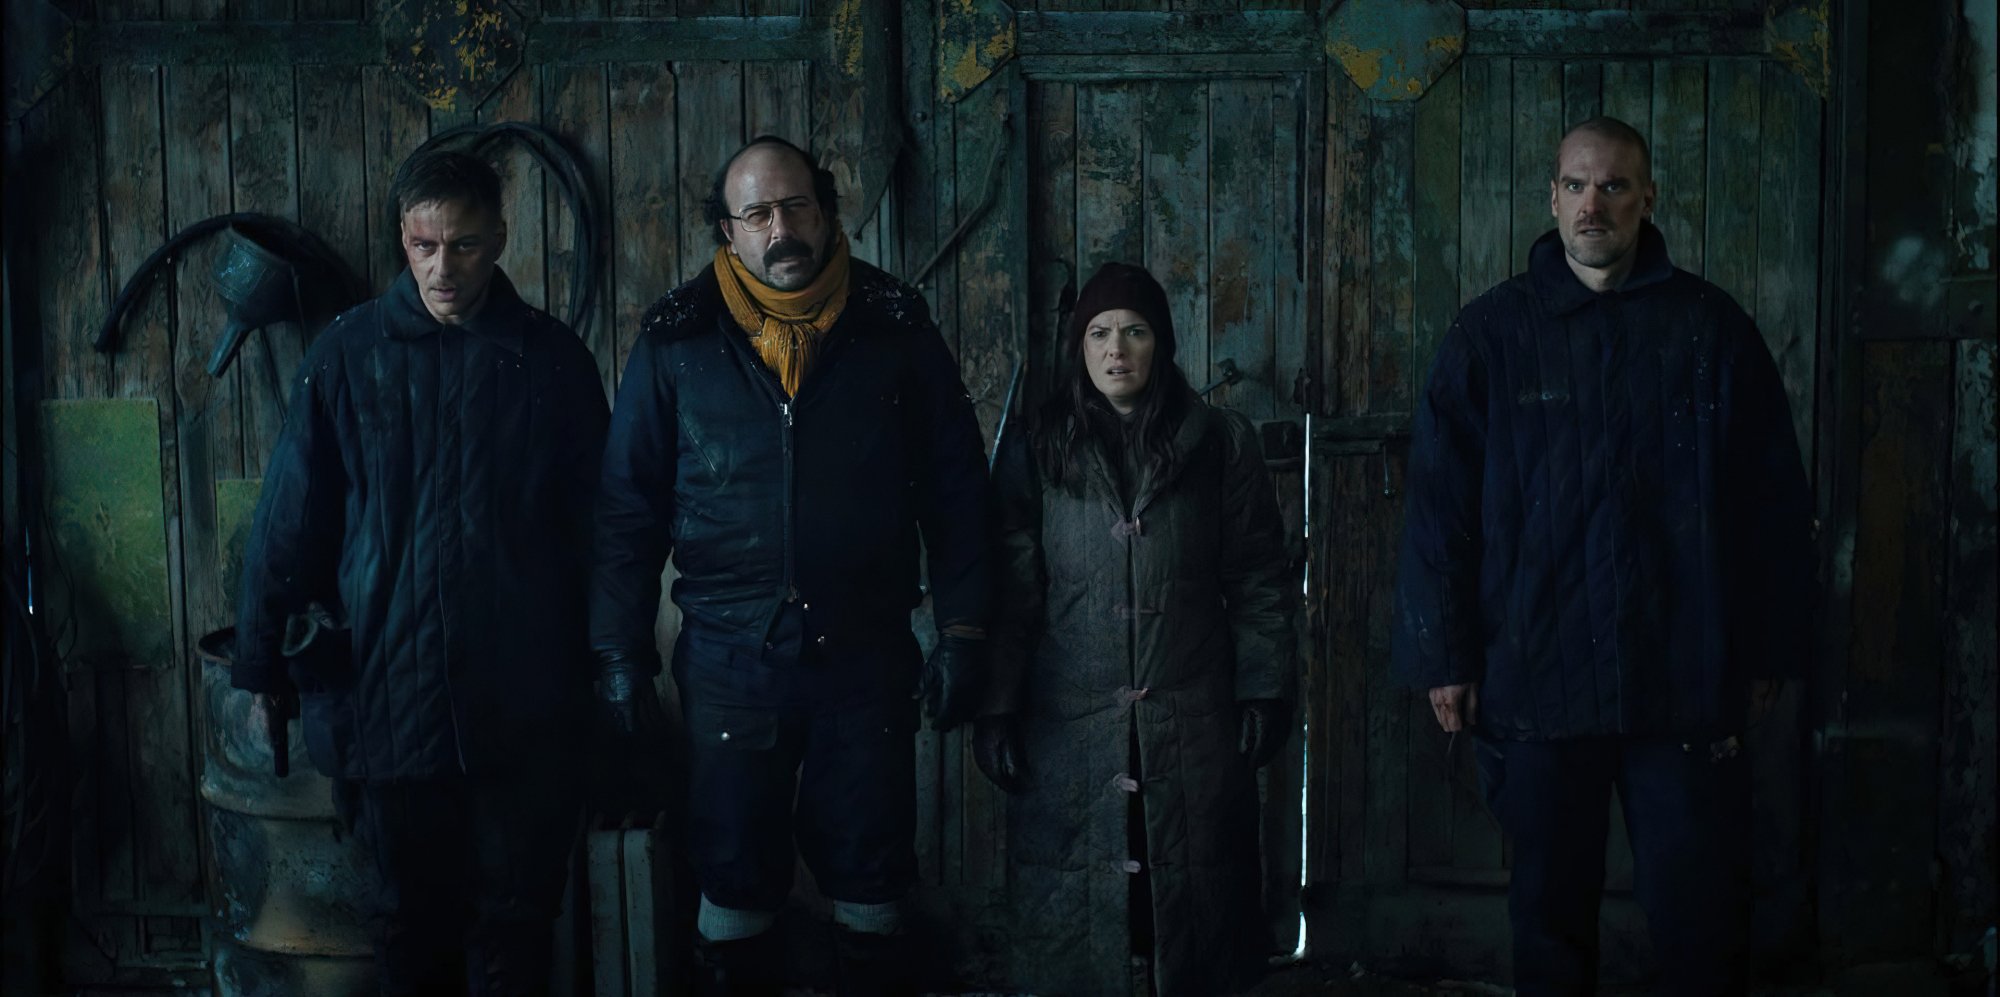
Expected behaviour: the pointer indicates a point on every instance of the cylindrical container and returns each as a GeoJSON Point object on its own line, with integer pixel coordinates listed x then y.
{"type": "Point", "coordinates": [292, 883]}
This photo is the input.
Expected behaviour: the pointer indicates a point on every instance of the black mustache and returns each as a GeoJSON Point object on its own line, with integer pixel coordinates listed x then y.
{"type": "Point", "coordinates": [785, 249]}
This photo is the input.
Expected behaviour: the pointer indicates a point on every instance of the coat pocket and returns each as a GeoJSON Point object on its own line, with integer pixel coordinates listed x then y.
{"type": "Point", "coordinates": [739, 728]}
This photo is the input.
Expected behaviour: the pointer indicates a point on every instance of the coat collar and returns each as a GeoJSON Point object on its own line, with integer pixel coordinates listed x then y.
{"type": "Point", "coordinates": [1194, 423]}
{"type": "Point", "coordinates": [501, 321]}
{"type": "Point", "coordinates": [1559, 287]}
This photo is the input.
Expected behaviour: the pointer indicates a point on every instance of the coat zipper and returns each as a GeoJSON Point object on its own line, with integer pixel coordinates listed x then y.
{"type": "Point", "coordinates": [785, 411]}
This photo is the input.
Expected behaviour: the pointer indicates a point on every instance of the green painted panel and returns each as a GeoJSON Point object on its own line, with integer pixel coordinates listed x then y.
{"type": "Point", "coordinates": [235, 508]}
{"type": "Point", "coordinates": [108, 532]}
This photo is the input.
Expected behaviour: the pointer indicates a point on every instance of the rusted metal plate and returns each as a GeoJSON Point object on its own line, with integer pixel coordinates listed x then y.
{"type": "Point", "coordinates": [1797, 33]}
{"type": "Point", "coordinates": [974, 38]}
{"type": "Point", "coordinates": [108, 532]}
{"type": "Point", "coordinates": [453, 53]}
{"type": "Point", "coordinates": [1395, 49]}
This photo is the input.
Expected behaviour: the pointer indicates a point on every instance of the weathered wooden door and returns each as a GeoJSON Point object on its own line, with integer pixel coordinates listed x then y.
{"type": "Point", "coordinates": [1431, 202]}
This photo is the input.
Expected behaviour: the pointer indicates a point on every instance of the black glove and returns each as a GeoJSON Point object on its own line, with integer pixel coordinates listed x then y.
{"type": "Point", "coordinates": [624, 694]}
{"type": "Point", "coordinates": [950, 684]}
{"type": "Point", "coordinates": [996, 749]}
{"type": "Point", "coordinates": [1266, 723]}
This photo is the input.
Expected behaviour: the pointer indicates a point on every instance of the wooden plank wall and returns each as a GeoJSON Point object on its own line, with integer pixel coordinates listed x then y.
{"type": "Point", "coordinates": [1322, 241]}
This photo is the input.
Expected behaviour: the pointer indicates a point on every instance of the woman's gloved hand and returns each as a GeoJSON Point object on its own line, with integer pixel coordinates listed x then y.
{"type": "Point", "coordinates": [1265, 725]}
{"type": "Point", "coordinates": [996, 749]}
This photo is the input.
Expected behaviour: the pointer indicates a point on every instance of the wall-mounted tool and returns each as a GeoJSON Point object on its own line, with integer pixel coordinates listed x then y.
{"type": "Point", "coordinates": [259, 287]}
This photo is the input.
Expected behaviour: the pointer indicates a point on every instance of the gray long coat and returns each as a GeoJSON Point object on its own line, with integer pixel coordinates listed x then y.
{"type": "Point", "coordinates": [1147, 624]}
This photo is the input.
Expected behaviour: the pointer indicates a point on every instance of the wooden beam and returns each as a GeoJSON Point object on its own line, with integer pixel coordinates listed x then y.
{"type": "Point", "coordinates": [1165, 67]}
{"type": "Point", "coordinates": [347, 43]}
{"type": "Point", "coordinates": [1146, 33]}
{"type": "Point", "coordinates": [1576, 34]}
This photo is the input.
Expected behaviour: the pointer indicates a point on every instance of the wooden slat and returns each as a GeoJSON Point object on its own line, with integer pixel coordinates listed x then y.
{"type": "Point", "coordinates": [1052, 232]}
{"type": "Point", "coordinates": [72, 296]}
{"type": "Point", "coordinates": [1387, 810]}
{"type": "Point", "coordinates": [1177, 212]}
{"type": "Point", "coordinates": [1735, 103]}
{"type": "Point", "coordinates": [1787, 275]}
{"type": "Point", "coordinates": [333, 161]}
{"type": "Point", "coordinates": [1537, 129]}
{"type": "Point", "coordinates": [604, 870]}
{"type": "Point", "coordinates": [925, 213]}
{"type": "Point", "coordinates": [1680, 158]}
{"type": "Point", "coordinates": [1439, 160]}
{"type": "Point", "coordinates": [1967, 750]}
{"type": "Point", "coordinates": [1391, 256]}
{"type": "Point", "coordinates": [263, 163]}
{"type": "Point", "coordinates": [1876, 894]}
{"type": "Point", "coordinates": [397, 121]}
{"type": "Point", "coordinates": [989, 314]}
{"type": "Point", "coordinates": [1346, 366]}
{"type": "Point", "coordinates": [1240, 282]}
{"type": "Point", "coordinates": [709, 118]}
{"type": "Point", "coordinates": [1583, 92]}
{"type": "Point", "coordinates": [1486, 178]}
{"type": "Point", "coordinates": [350, 10]}
{"type": "Point", "coordinates": [261, 10]}
{"type": "Point", "coordinates": [1108, 217]}
{"type": "Point", "coordinates": [1628, 94]}
{"type": "Point", "coordinates": [777, 101]}
{"type": "Point", "coordinates": [648, 227]}
{"type": "Point", "coordinates": [197, 186]}
{"type": "Point", "coordinates": [1292, 145]}
{"type": "Point", "coordinates": [194, 10]}
{"type": "Point", "coordinates": [523, 191]}
{"type": "Point", "coordinates": [168, 854]}
{"type": "Point", "coordinates": [575, 106]}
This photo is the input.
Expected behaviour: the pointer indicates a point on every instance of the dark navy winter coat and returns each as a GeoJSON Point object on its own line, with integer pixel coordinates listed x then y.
{"type": "Point", "coordinates": [1608, 525]}
{"type": "Point", "coordinates": [435, 483]}
{"type": "Point", "coordinates": [761, 498]}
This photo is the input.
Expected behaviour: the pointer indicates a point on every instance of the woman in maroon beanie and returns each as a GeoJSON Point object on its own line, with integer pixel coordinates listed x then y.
{"type": "Point", "coordinates": [1143, 664]}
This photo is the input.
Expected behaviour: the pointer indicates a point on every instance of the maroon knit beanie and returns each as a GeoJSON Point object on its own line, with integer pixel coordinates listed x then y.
{"type": "Point", "coordinates": [1122, 285]}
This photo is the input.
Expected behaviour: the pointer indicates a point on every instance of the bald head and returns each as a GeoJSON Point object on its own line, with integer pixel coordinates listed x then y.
{"type": "Point", "coordinates": [1608, 129]}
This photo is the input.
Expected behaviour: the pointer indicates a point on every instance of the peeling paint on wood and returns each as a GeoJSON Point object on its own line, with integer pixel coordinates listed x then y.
{"type": "Point", "coordinates": [973, 38]}
{"type": "Point", "coordinates": [1797, 33]}
{"type": "Point", "coordinates": [1395, 49]}
{"type": "Point", "coordinates": [453, 53]}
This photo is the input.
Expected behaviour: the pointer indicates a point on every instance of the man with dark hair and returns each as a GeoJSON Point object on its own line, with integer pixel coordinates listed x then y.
{"type": "Point", "coordinates": [432, 488]}
{"type": "Point", "coordinates": [1607, 567]}
{"type": "Point", "coordinates": [789, 423]}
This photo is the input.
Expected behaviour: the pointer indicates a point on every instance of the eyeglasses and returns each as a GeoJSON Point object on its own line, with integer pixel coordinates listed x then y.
{"type": "Point", "coordinates": [758, 217]}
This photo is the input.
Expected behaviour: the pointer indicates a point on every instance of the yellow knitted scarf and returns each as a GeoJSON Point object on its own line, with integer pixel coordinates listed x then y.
{"type": "Point", "coordinates": [785, 326]}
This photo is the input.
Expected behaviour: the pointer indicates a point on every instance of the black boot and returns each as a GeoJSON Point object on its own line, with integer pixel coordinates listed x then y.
{"type": "Point", "coordinates": [742, 967]}
{"type": "Point", "coordinates": [873, 965]}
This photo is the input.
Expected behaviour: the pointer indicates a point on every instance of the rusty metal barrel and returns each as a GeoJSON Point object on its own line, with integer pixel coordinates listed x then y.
{"type": "Point", "coordinates": [291, 883]}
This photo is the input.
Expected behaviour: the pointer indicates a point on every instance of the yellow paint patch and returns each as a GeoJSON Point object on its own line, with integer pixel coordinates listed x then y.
{"type": "Point", "coordinates": [1363, 67]}
{"type": "Point", "coordinates": [847, 40]}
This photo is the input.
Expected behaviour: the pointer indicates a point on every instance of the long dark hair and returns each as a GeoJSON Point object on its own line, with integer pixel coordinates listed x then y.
{"type": "Point", "coordinates": [1076, 413]}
